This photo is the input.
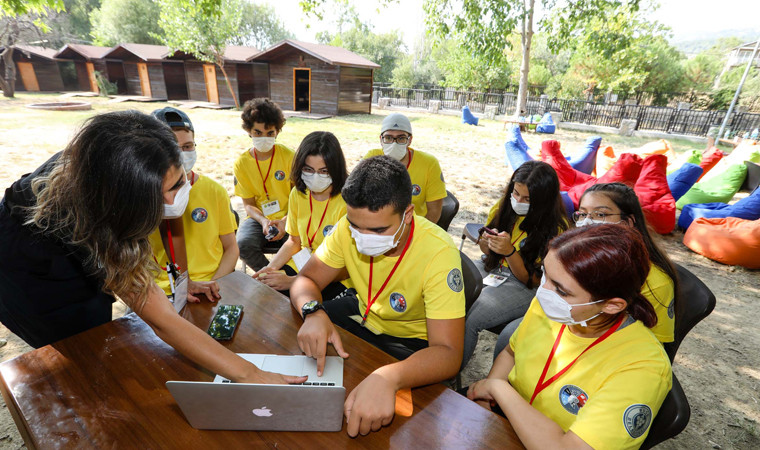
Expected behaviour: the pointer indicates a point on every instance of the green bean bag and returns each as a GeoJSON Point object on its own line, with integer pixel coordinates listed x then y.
{"type": "Point", "coordinates": [720, 188]}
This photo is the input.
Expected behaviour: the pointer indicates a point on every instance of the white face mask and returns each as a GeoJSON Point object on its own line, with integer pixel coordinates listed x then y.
{"type": "Point", "coordinates": [557, 309]}
{"type": "Point", "coordinates": [376, 244]}
{"type": "Point", "coordinates": [520, 209]}
{"type": "Point", "coordinates": [188, 160]}
{"type": "Point", "coordinates": [177, 208]}
{"type": "Point", "coordinates": [395, 150]}
{"type": "Point", "coordinates": [316, 182]}
{"type": "Point", "coordinates": [263, 144]}
{"type": "Point", "coordinates": [588, 221]}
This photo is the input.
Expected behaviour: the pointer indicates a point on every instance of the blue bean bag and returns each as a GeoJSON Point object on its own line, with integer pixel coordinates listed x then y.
{"type": "Point", "coordinates": [467, 116]}
{"type": "Point", "coordinates": [585, 160]}
{"type": "Point", "coordinates": [747, 208]}
{"type": "Point", "coordinates": [569, 206]}
{"type": "Point", "coordinates": [516, 155]}
{"type": "Point", "coordinates": [546, 125]}
{"type": "Point", "coordinates": [683, 179]}
{"type": "Point", "coordinates": [514, 134]}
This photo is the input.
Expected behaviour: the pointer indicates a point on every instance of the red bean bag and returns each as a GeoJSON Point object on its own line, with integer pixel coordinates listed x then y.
{"type": "Point", "coordinates": [728, 240]}
{"type": "Point", "coordinates": [625, 170]}
{"type": "Point", "coordinates": [654, 194]}
{"type": "Point", "coordinates": [709, 159]}
{"type": "Point", "coordinates": [568, 177]}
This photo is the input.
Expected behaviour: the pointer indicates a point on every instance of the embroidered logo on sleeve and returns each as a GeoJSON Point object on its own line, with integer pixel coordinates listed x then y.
{"type": "Point", "coordinates": [572, 398]}
{"type": "Point", "coordinates": [327, 230]}
{"type": "Point", "coordinates": [636, 419]}
{"type": "Point", "coordinates": [416, 189]}
{"type": "Point", "coordinates": [672, 309]}
{"type": "Point", "coordinates": [279, 175]}
{"type": "Point", "coordinates": [455, 281]}
{"type": "Point", "coordinates": [398, 302]}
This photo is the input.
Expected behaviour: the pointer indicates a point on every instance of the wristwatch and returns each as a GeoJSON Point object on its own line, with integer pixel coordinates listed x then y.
{"type": "Point", "coordinates": [311, 307]}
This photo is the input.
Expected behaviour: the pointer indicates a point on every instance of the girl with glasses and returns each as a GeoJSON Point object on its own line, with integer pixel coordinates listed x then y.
{"type": "Point", "coordinates": [315, 206]}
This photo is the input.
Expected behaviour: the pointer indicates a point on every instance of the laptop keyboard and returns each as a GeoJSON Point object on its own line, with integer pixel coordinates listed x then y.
{"type": "Point", "coordinates": [305, 383]}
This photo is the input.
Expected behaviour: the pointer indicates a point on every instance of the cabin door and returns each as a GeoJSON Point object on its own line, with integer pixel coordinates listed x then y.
{"type": "Point", "coordinates": [302, 90]}
{"type": "Point", "coordinates": [209, 74]}
{"type": "Point", "coordinates": [28, 77]}
{"type": "Point", "coordinates": [142, 71]}
{"type": "Point", "coordinates": [91, 77]}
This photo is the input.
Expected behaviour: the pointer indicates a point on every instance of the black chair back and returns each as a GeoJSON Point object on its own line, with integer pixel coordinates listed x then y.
{"type": "Point", "coordinates": [695, 302]}
{"type": "Point", "coordinates": [473, 281]}
{"type": "Point", "coordinates": [448, 211]}
{"type": "Point", "coordinates": [672, 417]}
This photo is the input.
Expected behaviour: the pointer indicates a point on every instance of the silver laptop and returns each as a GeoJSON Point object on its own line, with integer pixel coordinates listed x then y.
{"type": "Point", "coordinates": [316, 405]}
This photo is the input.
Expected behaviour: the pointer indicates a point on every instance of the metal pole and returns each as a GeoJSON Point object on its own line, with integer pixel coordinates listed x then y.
{"type": "Point", "coordinates": [738, 91]}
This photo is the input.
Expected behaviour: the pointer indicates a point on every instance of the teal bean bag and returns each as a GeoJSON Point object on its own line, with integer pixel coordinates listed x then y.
{"type": "Point", "coordinates": [720, 188]}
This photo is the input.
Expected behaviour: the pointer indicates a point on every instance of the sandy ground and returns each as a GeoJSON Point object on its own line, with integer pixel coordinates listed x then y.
{"type": "Point", "coordinates": [718, 363]}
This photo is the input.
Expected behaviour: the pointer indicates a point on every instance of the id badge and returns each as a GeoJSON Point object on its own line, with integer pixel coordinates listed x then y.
{"type": "Point", "coordinates": [180, 292]}
{"type": "Point", "coordinates": [301, 258]}
{"type": "Point", "coordinates": [494, 280]}
{"type": "Point", "coordinates": [270, 208]}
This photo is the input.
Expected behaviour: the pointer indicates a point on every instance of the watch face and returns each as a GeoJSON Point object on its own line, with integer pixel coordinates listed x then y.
{"type": "Point", "coordinates": [309, 307]}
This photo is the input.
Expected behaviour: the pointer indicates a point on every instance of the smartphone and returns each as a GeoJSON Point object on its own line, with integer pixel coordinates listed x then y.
{"type": "Point", "coordinates": [486, 230]}
{"type": "Point", "coordinates": [225, 322]}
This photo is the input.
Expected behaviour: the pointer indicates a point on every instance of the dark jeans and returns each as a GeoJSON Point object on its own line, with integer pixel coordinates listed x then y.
{"type": "Point", "coordinates": [330, 291]}
{"type": "Point", "coordinates": [251, 241]}
{"type": "Point", "coordinates": [45, 293]}
{"type": "Point", "coordinates": [342, 308]}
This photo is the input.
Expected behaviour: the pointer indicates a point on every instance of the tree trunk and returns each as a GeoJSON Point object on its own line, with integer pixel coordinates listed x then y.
{"type": "Point", "coordinates": [220, 63]}
{"type": "Point", "coordinates": [8, 80]}
{"type": "Point", "coordinates": [526, 39]}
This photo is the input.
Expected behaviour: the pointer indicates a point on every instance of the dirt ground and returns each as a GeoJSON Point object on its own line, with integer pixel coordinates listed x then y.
{"type": "Point", "coordinates": [718, 363]}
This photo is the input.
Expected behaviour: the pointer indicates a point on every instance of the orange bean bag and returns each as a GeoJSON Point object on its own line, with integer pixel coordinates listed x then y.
{"type": "Point", "coordinates": [727, 240]}
{"type": "Point", "coordinates": [605, 158]}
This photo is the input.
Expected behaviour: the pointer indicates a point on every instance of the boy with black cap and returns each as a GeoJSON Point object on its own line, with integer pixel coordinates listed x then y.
{"type": "Point", "coordinates": [428, 187]}
{"type": "Point", "coordinates": [208, 221]}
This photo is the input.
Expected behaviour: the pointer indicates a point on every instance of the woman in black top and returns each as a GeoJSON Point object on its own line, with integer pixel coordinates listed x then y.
{"type": "Point", "coordinates": [74, 234]}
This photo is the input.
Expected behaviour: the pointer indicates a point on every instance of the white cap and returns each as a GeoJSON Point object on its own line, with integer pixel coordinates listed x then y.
{"type": "Point", "coordinates": [396, 121]}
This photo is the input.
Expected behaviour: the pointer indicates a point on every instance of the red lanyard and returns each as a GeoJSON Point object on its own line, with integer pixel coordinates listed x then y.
{"type": "Point", "coordinates": [409, 154]}
{"type": "Point", "coordinates": [541, 385]}
{"type": "Point", "coordinates": [271, 160]}
{"type": "Point", "coordinates": [311, 212]}
{"type": "Point", "coordinates": [171, 243]}
{"type": "Point", "coordinates": [370, 299]}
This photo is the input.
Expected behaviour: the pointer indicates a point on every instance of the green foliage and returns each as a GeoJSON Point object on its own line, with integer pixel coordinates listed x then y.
{"type": "Point", "coordinates": [421, 67]}
{"type": "Point", "coordinates": [730, 81]}
{"type": "Point", "coordinates": [123, 21]}
{"type": "Point", "coordinates": [196, 28]}
{"type": "Point", "coordinates": [14, 8]}
{"type": "Point", "coordinates": [464, 70]}
{"type": "Point", "coordinates": [385, 49]}
{"type": "Point", "coordinates": [105, 87]}
{"type": "Point", "coordinates": [260, 27]}
{"type": "Point", "coordinates": [700, 72]}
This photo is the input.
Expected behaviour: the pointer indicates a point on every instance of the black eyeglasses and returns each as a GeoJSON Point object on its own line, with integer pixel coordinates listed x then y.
{"type": "Point", "coordinates": [387, 139]}
{"type": "Point", "coordinates": [595, 215]}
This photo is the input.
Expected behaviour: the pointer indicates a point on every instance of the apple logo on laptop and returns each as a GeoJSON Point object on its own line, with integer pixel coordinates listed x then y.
{"type": "Point", "coordinates": [262, 412]}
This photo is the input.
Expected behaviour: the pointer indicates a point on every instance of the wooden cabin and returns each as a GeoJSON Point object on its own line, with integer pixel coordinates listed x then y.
{"type": "Point", "coordinates": [317, 78]}
{"type": "Point", "coordinates": [86, 59]}
{"type": "Point", "coordinates": [206, 83]}
{"type": "Point", "coordinates": [142, 71]}
{"type": "Point", "coordinates": [36, 69]}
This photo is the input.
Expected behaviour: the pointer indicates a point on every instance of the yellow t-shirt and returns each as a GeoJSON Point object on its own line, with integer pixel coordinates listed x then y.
{"type": "Point", "coordinates": [517, 235]}
{"type": "Point", "coordinates": [610, 396]}
{"type": "Point", "coordinates": [660, 291]}
{"type": "Point", "coordinates": [208, 215]}
{"type": "Point", "coordinates": [249, 181]}
{"type": "Point", "coordinates": [427, 179]}
{"type": "Point", "coordinates": [427, 284]}
{"type": "Point", "coordinates": [299, 213]}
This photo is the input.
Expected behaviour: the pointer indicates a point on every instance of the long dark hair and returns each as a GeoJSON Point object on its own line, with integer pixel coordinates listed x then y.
{"type": "Point", "coordinates": [545, 219]}
{"type": "Point", "coordinates": [608, 261]}
{"type": "Point", "coordinates": [626, 199]}
{"type": "Point", "coordinates": [105, 196]}
{"type": "Point", "coordinates": [326, 145]}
